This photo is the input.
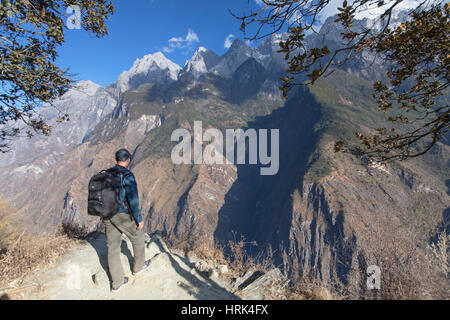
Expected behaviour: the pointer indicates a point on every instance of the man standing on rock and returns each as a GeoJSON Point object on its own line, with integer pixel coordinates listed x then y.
{"type": "Point", "coordinates": [129, 221]}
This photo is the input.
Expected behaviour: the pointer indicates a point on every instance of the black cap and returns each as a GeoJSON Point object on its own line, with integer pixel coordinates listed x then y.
{"type": "Point", "coordinates": [122, 155]}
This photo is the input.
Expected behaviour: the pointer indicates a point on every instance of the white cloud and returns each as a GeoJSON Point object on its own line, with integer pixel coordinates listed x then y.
{"type": "Point", "coordinates": [228, 41]}
{"type": "Point", "coordinates": [371, 12]}
{"type": "Point", "coordinates": [329, 10]}
{"type": "Point", "coordinates": [180, 42]}
{"type": "Point", "coordinates": [374, 11]}
{"type": "Point", "coordinates": [365, 12]}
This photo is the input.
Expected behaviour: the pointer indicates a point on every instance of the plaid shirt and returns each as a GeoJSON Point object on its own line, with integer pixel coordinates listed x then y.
{"type": "Point", "coordinates": [129, 195]}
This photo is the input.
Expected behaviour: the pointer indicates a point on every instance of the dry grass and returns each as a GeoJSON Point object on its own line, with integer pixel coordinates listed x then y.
{"type": "Point", "coordinates": [438, 255]}
{"type": "Point", "coordinates": [235, 256]}
{"type": "Point", "coordinates": [241, 261]}
{"type": "Point", "coordinates": [309, 288]}
{"type": "Point", "coordinates": [310, 291]}
{"type": "Point", "coordinates": [407, 271]}
{"type": "Point", "coordinates": [23, 253]}
{"type": "Point", "coordinates": [6, 226]}
{"type": "Point", "coordinates": [207, 251]}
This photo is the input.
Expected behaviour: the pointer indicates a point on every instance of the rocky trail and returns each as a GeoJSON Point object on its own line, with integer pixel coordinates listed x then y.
{"type": "Point", "coordinates": [81, 274]}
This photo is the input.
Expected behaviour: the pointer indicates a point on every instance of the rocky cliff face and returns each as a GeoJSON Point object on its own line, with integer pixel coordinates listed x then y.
{"type": "Point", "coordinates": [87, 104]}
{"type": "Point", "coordinates": [322, 214]}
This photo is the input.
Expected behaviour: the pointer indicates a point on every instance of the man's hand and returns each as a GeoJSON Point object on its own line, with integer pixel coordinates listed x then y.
{"type": "Point", "coordinates": [140, 226]}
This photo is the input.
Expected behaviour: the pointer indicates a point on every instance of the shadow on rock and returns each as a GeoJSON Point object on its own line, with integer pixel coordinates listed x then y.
{"type": "Point", "coordinates": [204, 286]}
{"type": "Point", "coordinates": [97, 241]}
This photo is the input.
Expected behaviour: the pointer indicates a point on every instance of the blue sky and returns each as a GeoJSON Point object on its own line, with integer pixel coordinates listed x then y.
{"type": "Point", "coordinates": [139, 27]}
{"type": "Point", "coordinates": [175, 27]}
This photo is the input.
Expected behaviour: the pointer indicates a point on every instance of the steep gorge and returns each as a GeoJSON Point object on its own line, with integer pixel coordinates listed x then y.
{"type": "Point", "coordinates": [323, 214]}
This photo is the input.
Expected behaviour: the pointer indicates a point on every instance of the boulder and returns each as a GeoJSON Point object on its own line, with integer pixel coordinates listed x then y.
{"type": "Point", "coordinates": [271, 285]}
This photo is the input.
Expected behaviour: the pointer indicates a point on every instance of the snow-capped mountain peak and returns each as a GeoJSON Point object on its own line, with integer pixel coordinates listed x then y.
{"type": "Point", "coordinates": [238, 43]}
{"type": "Point", "coordinates": [156, 59]}
{"type": "Point", "coordinates": [201, 62]}
{"type": "Point", "coordinates": [150, 68]}
{"type": "Point", "coordinates": [87, 87]}
{"type": "Point", "coordinates": [238, 53]}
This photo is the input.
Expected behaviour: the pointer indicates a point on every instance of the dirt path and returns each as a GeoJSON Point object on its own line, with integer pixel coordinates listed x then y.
{"type": "Point", "coordinates": [82, 274]}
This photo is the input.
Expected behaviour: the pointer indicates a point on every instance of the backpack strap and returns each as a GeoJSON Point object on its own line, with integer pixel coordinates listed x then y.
{"type": "Point", "coordinates": [122, 178]}
{"type": "Point", "coordinates": [118, 171]}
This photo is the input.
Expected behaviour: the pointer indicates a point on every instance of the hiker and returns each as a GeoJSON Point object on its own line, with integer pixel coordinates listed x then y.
{"type": "Point", "coordinates": [127, 220]}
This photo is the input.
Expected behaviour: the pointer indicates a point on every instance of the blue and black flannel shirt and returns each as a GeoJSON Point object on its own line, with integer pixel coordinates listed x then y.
{"type": "Point", "coordinates": [129, 193]}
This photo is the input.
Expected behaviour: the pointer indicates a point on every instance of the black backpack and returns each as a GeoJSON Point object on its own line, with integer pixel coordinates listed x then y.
{"type": "Point", "coordinates": [103, 197]}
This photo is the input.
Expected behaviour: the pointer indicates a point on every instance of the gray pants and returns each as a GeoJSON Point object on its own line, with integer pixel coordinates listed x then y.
{"type": "Point", "coordinates": [115, 226]}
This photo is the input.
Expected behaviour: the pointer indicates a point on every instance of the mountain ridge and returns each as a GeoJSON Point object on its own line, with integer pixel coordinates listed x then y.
{"type": "Point", "coordinates": [322, 215]}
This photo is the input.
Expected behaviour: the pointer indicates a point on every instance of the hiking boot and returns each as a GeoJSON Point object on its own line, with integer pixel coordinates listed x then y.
{"type": "Point", "coordinates": [125, 281]}
{"type": "Point", "coordinates": [146, 264]}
